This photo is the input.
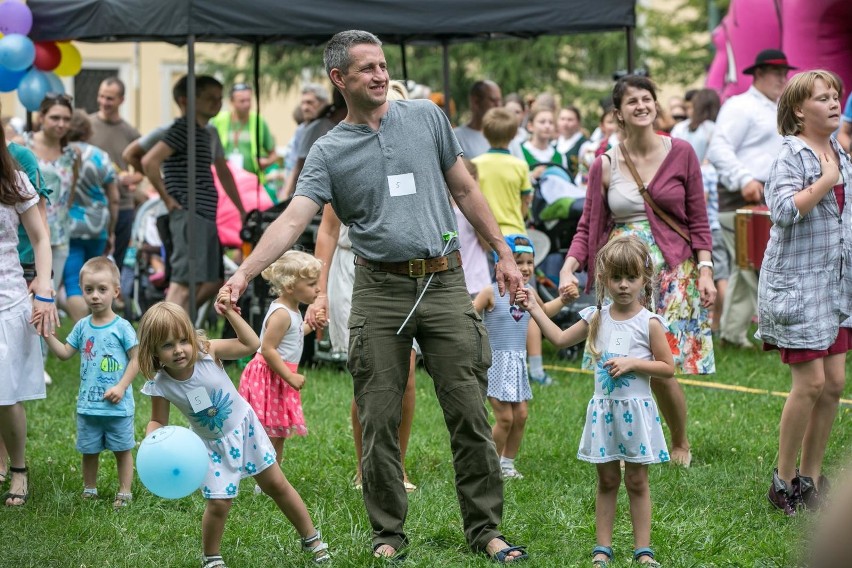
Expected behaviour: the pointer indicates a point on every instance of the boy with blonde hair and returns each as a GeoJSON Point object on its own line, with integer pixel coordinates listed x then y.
{"type": "Point", "coordinates": [107, 345]}
{"type": "Point", "coordinates": [503, 178]}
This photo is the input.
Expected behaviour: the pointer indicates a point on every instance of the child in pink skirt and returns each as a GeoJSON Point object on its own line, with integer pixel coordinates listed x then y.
{"type": "Point", "coordinates": [271, 381]}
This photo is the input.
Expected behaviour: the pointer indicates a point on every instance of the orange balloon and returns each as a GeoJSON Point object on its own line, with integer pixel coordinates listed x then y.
{"type": "Point", "coordinates": [71, 61]}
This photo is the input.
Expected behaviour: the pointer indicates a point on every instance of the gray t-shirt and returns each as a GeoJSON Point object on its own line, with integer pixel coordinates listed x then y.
{"type": "Point", "coordinates": [150, 140]}
{"type": "Point", "coordinates": [388, 185]}
{"type": "Point", "coordinates": [473, 142]}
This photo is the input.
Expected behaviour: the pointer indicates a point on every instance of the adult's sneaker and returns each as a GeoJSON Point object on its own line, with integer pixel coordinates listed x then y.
{"type": "Point", "coordinates": [782, 495]}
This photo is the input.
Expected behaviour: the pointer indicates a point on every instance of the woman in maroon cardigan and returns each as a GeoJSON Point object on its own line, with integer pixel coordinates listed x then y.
{"type": "Point", "coordinates": [614, 206]}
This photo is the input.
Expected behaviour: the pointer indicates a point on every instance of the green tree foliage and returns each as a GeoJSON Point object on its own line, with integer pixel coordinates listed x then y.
{"type": "Point", "coordinates": [673, 44]}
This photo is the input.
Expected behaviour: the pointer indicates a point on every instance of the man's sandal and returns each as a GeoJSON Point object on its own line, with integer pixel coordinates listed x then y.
{"type": "Point", "coordinates": [320, 551]}
{"type": "Point", "coordinates": [606, 551]}
{"type": "Point", "coordinates": [395, 558]}
{"type": "Point", "coordinates": [504, 555]}
{"type": "Point", "coordinates": [212, 562]}
{"type": "Point", "coordinates": [122, 500]}
{"type": "Point", "coordinates": [640, 552]}
{"type": "Point", "coordinates": [22, 497]}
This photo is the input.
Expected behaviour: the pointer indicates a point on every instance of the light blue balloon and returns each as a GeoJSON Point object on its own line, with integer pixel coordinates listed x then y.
{"type": "Point", "coordinates": [56, 85]}
{"type": "Point", "coordinates": [9, 79]}
{"type": "Point", "coordinates": [172, 462]}
{"type": "Point", "coordinates": [33, 87]}
{"type": "Point", "coordinates": [17, 52]}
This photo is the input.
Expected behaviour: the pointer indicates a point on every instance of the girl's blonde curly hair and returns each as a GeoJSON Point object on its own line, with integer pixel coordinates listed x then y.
{"type": "Point", "coordinates": [294, 265]}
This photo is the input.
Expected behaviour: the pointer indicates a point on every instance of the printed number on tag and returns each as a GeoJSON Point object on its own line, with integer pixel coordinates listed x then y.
{"type": "Point", "coordinates": [402, 184]}
{"type": "Point", "coordinates": [199, 399]}
{"type": "Point", "coordinates": [619, 343]}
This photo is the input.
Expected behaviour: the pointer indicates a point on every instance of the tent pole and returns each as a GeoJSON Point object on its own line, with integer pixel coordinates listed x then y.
{"type": "Point", "coordinates": [404, 64]}
{"type": "Point", "coordinates": [445, 49]}
{"type": "Point", "coordinates": [631, 46]}
{"type": "Point", "coordinates": [257, 129]}
{"type": "Point", "coordinates": [190, 172]}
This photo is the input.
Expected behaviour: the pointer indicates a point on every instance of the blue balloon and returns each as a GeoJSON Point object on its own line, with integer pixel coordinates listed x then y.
{"type": "Point", "coordinates": [9, 79]}
{"type": "Point", "coordinates": [33, 87]}
{"type": "Point", "coordinates": [56, 85]}
{"type": "Point", "coordinates": [172, 462]}
{"type": "Point", "coordinates": [17, 52]}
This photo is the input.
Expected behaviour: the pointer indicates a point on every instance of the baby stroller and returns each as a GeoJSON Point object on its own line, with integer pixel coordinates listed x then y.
{"type": "Point", "coordinates": [141, 271]}
{"type": "Point", "coordinates": [555, 213]}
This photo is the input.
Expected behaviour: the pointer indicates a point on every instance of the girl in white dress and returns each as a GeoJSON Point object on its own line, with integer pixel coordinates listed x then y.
{"type": "Point", "coordinates": [185, 369]}
{"type": "Point", "coordinates": [628, 343]}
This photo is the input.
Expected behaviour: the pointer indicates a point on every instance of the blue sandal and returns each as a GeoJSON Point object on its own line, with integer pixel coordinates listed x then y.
{"type": "Point", "coordinates": [502, 556]}
{"type": "Point", "coordinates": [640, 552]}
{"type": "Point", "coordinates": [607, 550]}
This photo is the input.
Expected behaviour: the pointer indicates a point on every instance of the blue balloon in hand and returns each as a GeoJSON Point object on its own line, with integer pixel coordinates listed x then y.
{"type": "Point", "coordinates": [172, 462]}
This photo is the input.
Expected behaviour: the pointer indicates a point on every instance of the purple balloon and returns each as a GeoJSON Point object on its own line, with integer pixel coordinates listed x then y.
{"type": "Point", "coordinates": [33, 87]}
{"type": "Point", "coordinates": [15, 18]}
{"type": "Point", "coordinates": [9, 79]}
{"type": "Point", "coordinates": [17, 51]}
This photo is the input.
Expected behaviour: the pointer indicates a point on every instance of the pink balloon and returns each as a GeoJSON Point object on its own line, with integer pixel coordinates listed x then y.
{"type": "Point", "coordinates": [47, 55]}
{"type": "Point", "coordinates": [15, 18]}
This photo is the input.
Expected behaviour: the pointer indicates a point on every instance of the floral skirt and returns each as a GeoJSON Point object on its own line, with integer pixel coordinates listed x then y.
{"type": "Point", "coordinates": [678, 301]}
{"type": "Point", "coordinates": [278, 405]}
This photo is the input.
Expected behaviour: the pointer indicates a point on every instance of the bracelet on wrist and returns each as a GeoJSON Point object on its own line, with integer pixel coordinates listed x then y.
{"type": "Point", "coordinates": [43, 299]}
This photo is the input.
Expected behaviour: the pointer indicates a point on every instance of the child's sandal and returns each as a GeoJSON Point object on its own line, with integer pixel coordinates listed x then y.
{"type": "Point", "coordinates": [122, 500]}
{"type": "Point", "coordinates": [320, 551]}
{"type": "Point", "coordinates": [640, 552]}
{"type": "Point", "coordinates": [212, 562]}
{"type": "Point", "coordinates": [605, 550]}
{"type": "Point", "coordinates": [90, 493]}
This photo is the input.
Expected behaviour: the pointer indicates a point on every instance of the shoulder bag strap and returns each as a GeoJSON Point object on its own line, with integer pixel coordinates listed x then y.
{"type": "Point", "coordinates": [644, 192]}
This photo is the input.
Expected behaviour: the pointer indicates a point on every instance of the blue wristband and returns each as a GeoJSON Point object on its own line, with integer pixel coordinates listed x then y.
{"type": "Point", "coordinates": [45, 300]}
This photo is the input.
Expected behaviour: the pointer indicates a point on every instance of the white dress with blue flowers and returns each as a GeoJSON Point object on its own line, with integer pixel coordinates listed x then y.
{"type": "Point", "coordinates": [622, 420]}
{"type": "Point", "coordinates": [236, 443]}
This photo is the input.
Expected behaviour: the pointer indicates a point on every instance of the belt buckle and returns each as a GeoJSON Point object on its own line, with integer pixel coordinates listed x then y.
{"type": "Point", "coordinates": [420, 264]}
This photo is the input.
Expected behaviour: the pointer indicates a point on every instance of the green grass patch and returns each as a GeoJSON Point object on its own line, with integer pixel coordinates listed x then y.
{"type": "Point", "coordinates": [714, 514]}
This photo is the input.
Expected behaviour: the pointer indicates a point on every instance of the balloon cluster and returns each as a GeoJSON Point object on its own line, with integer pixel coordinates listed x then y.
{"type": "Point", "coordinates": [31, 68]}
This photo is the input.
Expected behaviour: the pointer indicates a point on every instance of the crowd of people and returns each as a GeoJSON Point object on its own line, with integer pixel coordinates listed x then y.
{"type": "Point", "coordinates": [655, 246]}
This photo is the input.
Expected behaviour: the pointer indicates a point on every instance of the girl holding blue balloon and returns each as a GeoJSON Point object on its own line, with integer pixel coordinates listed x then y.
{"type": "Point", "coordinates": [184, 368]}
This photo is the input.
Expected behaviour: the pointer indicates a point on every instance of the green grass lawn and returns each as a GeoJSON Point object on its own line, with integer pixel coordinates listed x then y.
{"type": "Point", "coordinates": [714, 514]}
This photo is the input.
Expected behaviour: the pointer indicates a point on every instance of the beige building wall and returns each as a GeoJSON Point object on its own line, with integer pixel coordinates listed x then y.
{"type": "Point", "coordinates": [149, 70]}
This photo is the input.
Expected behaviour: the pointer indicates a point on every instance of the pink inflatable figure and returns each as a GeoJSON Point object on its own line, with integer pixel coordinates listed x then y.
{"type": "Point", "coordinates": [227, 217]}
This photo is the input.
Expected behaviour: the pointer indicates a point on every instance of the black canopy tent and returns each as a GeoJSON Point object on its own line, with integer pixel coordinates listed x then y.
{"type": "Point", "coordinates": [313, 22]}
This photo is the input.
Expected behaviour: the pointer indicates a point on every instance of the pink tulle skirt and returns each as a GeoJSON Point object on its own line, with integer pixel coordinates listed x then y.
{"type": "Point", "coordinates": [278, 405]}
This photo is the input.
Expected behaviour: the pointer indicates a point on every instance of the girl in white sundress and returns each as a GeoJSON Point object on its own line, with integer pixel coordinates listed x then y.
{"type": "Point", "coordinates": [628, 343]}
{"type": "Point", "coordinates": [182, 368]}
{"type": "Point", "coordinates": [508, 381]}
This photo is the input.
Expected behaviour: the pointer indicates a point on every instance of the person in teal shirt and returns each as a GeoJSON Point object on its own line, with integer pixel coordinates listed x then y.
{"type": "Point", "coordinates": [28, 164]}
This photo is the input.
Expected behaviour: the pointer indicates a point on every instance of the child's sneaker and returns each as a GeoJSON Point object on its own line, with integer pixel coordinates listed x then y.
{"type": "Point", "coordinates": [782, 496]}
{"type": "Point", "coordinates": [544, 379]}
{"type": "Point", "coordinates": [511, 473]}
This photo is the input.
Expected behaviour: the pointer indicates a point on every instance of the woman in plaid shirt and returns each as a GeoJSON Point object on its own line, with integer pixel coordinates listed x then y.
{"type": "Point", "coordinates": [805, 291]}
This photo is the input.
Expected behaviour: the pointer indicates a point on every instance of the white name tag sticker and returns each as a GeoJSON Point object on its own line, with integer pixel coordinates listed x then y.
{"type": "Point", "coordinates": [402, 184]}
{"type": "Point", "coordinates": [199, 399]}
{"type": "Point", "coordinates": [619, 343]}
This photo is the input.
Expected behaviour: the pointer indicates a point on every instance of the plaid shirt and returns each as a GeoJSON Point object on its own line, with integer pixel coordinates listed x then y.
{"type": "Point", "coordinates": [805, 288]}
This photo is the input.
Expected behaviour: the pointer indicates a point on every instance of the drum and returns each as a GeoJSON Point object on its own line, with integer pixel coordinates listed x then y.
{"type": "Point", "coordinates": [752, 235]}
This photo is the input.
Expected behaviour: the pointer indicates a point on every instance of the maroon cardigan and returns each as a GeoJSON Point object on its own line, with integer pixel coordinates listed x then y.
{"type": "Point", "coordinates": [677, 189]}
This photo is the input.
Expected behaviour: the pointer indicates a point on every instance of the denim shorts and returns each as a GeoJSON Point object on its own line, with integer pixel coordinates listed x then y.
{"type": "Point", "coordinates": [98, 433]}
{"type": "Point", "coordinates": [79, 251]}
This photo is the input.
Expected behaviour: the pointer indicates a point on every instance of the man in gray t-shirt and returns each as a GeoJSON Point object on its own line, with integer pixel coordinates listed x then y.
{"type": "Point", "coordinates": [386, 169]}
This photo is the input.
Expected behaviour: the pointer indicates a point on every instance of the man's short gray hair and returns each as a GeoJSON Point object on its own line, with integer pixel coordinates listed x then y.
{"type": "Point", "coordinates": [336, 55]}
{"type": "Point", "coordinates": [320, 92]}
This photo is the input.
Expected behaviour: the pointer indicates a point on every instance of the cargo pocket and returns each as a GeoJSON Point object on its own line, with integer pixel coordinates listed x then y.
{"type": "Point", "coordinates": [359, 357]}
{"type": "Point", "coordinates": [782, 304]}
{"type": "Point", "coordinates": [481, 352]}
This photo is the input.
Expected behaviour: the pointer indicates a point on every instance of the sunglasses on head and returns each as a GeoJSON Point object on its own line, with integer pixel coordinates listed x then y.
{"type": "Point", "coordinates": [240, 87]}
{"type": "Point", "coordinates": [58, 97]}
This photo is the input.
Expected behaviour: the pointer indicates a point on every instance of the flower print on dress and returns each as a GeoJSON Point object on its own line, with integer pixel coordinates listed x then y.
{"type": "Point", "coordinates": [664, 456]}
{"type": "Point", "coordinates": [269, 458]}
{"type": "Point", "coordinates": [231, 489]}
{"type": "Point", "coordinates": [216, 457]}
{"type": "Point", "coordinates": [215, 416]}
{"type": "Point", "coordinates": [251, 469]}
{"type": "Point", "coordinates": [607, 381]}
{"type": "Point", "coordinates": [235, 453]}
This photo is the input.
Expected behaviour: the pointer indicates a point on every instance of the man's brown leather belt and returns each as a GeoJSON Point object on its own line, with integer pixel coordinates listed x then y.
{"type": "Point", "coordinates": [416, 267]}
